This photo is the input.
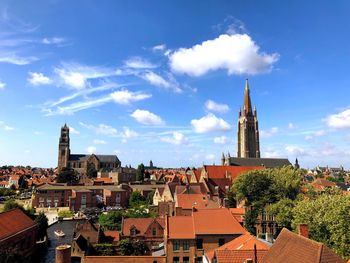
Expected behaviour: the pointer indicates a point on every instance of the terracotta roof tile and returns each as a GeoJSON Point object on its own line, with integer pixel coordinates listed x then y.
{"type": "Point", "coordinates": [223, 171]}
{"type": "Point", "coordinates": [141, 224]}
{"type": "Point", "coordinates": [14, 221]}
{"type": "Point", "coordinates": [238, 256]}
{"type": "Point", "coordinates": [290, 248]}
{"type": "Point", "coordinates": [186, 201]}
{"type": "Point", "coordinates": [180, 227]}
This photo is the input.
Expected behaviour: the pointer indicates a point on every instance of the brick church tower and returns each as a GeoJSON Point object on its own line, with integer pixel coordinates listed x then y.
{"type": "Point", "coordinates": [248, 131]}
{"type": "Point", "coordinates": [63, 148]}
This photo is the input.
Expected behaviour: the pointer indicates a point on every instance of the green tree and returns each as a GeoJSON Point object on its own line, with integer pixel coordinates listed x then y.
{"type": "Point", "coordinates": [138, 212]}
{"type": "Point", "coordinates": [328, 218]}
{"type": "Point", "coordinates": [67, 175]}
{"type": "Point", "coordinates": [149, 199]}
{"type": "Point", "coordinates": [140, 172]}
{"type": "Point", "coordinates": [42, 222]}
{"type": "Point", "coordinates": [111, 221]}
{"type": "Point", "coordinates": [231, 198]}
{"type": "Point", "coordinates": [136, 199]}
{"type": "Point", "coordinates": [125, 247]}
{"type": "Point", "coordinates": [91, 171]}
{"type": "Point", "coordinates": [105, 249]}
{"type": "Point", "coordinates": [140, 248]}
{"type": "Point", "coordinates": [283, 212]}
{"type": "Point", "coordinates": [12, 204]}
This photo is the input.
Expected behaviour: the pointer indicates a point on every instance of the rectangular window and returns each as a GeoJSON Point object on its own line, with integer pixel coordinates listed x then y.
{"type": "Point", "coordinates": [221, 242]}
{"type": "Point", "coordinates": [186, 245]}
{"type": "Point", "coordinates": [199, 260]}
{"type": "Point", "coordinates": [200, 243]}
{"type": "Point", "coordinates": [176, 259]}
{"type": "Point", "coordinates": [154, 231]}
{"type": "Point", "coordinates": [83, 199]}
{"type": "Point", "coordinates": [176, 245]}
{"type": "Point", "coordinates": [186, 260]}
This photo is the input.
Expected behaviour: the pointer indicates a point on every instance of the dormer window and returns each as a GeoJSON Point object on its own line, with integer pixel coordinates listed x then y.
{"type": "Point", "coordinates": [133, 231]}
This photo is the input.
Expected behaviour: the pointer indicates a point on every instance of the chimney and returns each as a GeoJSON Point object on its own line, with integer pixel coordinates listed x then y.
{"type": "Point", "coordinates": [63, 254]}
{"type": "Point", "coordinates": [303, 230]}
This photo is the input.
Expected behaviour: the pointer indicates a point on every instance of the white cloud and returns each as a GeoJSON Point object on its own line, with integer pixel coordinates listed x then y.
{"type": "Point", "coordinates": [318, 133]}
{"type": "Point", "coordinates": [5, 127]}
{"type": "Point", "coordinates": [73, 131]}
{"type": "Point", "coordinates": [38, 79]}
{"type": "Point", "coordinates": [237, 53]}
{"type": "Point", "coordinates": [177, 138]}
{"type": "Point", "coordinates": [91, 149]}
{"type": "Point", "coordinates": [53, 41]}
{"type": "Point", "coordinates": [221, 140]}
{"type": "Point", "coordinates": [146, 117]}
{"type": "Point", "coordinates": [269, 133]}
{"type": "Point", "coordinates": [210, 157]}
{"type": "Point", "coordinates": [76, 76]}
{"type": "Point", "coordinates": [209, 123]}
{"type": "Point", "coordinates": [128, 133]}
{"type": "Point", "coordinates": [101, 129]}
{"type": "Point", "coordinates": [161, 82]}
{"type": "Point", "coordinates": [340, 120]}
{"type": "Point", "coordinates": [17, 60]}
{"type": "Point", "coordinates": [2, 85]}
{"type": "Point", "coordinates": [213, 106]}
{"type": "Point", "coordinates": [291, 126]}
{"type": "Point", "coordinates": [160, 47]}
{"type": "Point", "coordinates": [295, 150]}
{"type": "Point", "coordinates": [126, 97]}
{"type": "Point", "coordinates": [97, 141]}
{"type": "Point", "coordinates": [139, 63]}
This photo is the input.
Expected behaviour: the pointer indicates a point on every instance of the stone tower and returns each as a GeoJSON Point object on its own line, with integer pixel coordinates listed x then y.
{"type": "Point", "coordinates": [248, 131]}
{"type": "Point", "coordinates": [63, 148]}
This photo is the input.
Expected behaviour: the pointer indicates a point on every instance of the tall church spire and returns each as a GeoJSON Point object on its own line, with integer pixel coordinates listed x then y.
{"type": "Point", "coordinates": [247, 103]}
{"type": "Point", "coordinates": [248, 130]}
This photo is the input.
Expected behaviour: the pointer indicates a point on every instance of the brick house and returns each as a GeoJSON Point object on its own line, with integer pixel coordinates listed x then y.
{"type": "Point", "coordinates": [78, 197]}
{"type": "Point", "coordinates": [188, 238]}
{"type": "Point", "coordinates": [18, 233]}
{"type": "Point", "coordinates": [150, 230]}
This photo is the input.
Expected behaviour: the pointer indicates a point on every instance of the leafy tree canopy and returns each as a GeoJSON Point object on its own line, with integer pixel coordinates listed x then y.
{"type": "Point", "coordinates": [111, 221]}
{"type": "Point", "coordinates": [68, 175]}
{"type": "Point", "coordinates": [136, 199]}
{"type": "Point", "coordinates": [140, 172]}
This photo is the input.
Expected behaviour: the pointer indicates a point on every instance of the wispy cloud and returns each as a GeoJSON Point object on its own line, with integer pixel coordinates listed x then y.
{"type": "Point", "coordinates": [2, 85]}
{"type": "Point", "coordinates": [209, 123]}
{"type": "Point", "coordinates": [146, 117]}
{"type": "Point", "coordinates": [16, 60]}
{"type": "Point", "coordinates": [158, 81]}
{"type": "Point", "coordinates": [177, 138]}
{"type": "Point", "coordinates": [5, 127]}
{"type": "Point", "coordinates": [139, 63]}
{"type": "Point", "coordinates": [102, 129]}
{"type": "Point", "coordinates": [269, 132]}
{"type": "Point", "coordinates": [125, 97]}
{"type": "Point", "coordinates": [218, 107]}
{"type": "Point", "coordinates": [37, 78]}
{"type": "Point", "coordinates": [58, 41]}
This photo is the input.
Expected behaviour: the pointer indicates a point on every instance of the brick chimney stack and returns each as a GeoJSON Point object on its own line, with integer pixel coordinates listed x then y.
{"type": "Point", "coordinates": [63, 254]}
{"type": "Point", "coordinates": [303, 230]}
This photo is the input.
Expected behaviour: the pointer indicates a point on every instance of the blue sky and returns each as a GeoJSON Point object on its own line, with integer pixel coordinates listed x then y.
{"type": "Point", "coordinates": [164, 80]}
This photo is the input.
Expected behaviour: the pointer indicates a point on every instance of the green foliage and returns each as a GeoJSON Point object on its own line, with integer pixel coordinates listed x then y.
{"type": "Point", "coordinates": [127, 247]}
{"type": "Point", "coordinates": [249, 220]}
{"type": "Point", "coordinates": [22, 183]}
{"type": "Point", "coordinates": [7, 192]}
{"type": "Point", "coordinates": [328, 218]}
{"type": "Point", "coordinates": [42, 222]}
{"type": "Point", "coordinates": [91, 171]}
{"type": "Point", "coordinates": [12, 204]}
{"type": "Point", "coordinates": [136, 199]}
{"type": "Point", "coordinates": [67, 175]}
{"type": "Point", "coordinates": [139, 212]}
{"type": "Point", "coordinates": [140, 172]}
{"type": "Point", "coordinates": [149, 199]}
{"type": "Point", "coordinates": [231, 198]}
{"type": "Point", "coordinates": [111, 221]}
{"type": "Point", "coordinates": [105, 249]}
{"type": "Point", "coordinates": [65, 214]}
{"type": "Point", "coordinates": [283, 212]}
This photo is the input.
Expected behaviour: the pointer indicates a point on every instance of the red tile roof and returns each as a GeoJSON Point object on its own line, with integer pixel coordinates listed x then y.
{"type": "Point", "coordinates": [290, 248]}
{"type": "Point", "coordinates": [180, 227]}
{"type": "Point", "coordinates": [238, 256]}
{"type": "Point", "coordinates": [141, 224]}
{"type": "Point", "coordinates": [14, 221]}
{"type": "Point", "coordinates": [114, 235]}
{"type": "Point", "coordinates": [223, 171]}
{"type": "Point", "coordinates": [216, 221]}
{"type": "Point", "coordinates": [186, 201]}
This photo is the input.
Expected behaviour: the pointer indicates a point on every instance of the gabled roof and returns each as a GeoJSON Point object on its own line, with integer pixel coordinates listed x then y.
{"type": "Point", "coordinates": [290, 248]}
{"type": "Point", "coordinates": [13, 222]}
{"type": "Point", "coordinates": [265, 162]}
{"type": "Point", "coordinates": [231, 172]}
{"type": "Point", "coordinates": [180, 227]}
{"type": "Point", "coordinates": [101, 158]}
{"type": "Point", "coordinates": [238, 256]}
{"type": "Point", "coordinates": [216, 221]}
{"type": "Point", "coordinates": [187, 201]}
{"type": "Point", "coordinates": [141, 224]}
